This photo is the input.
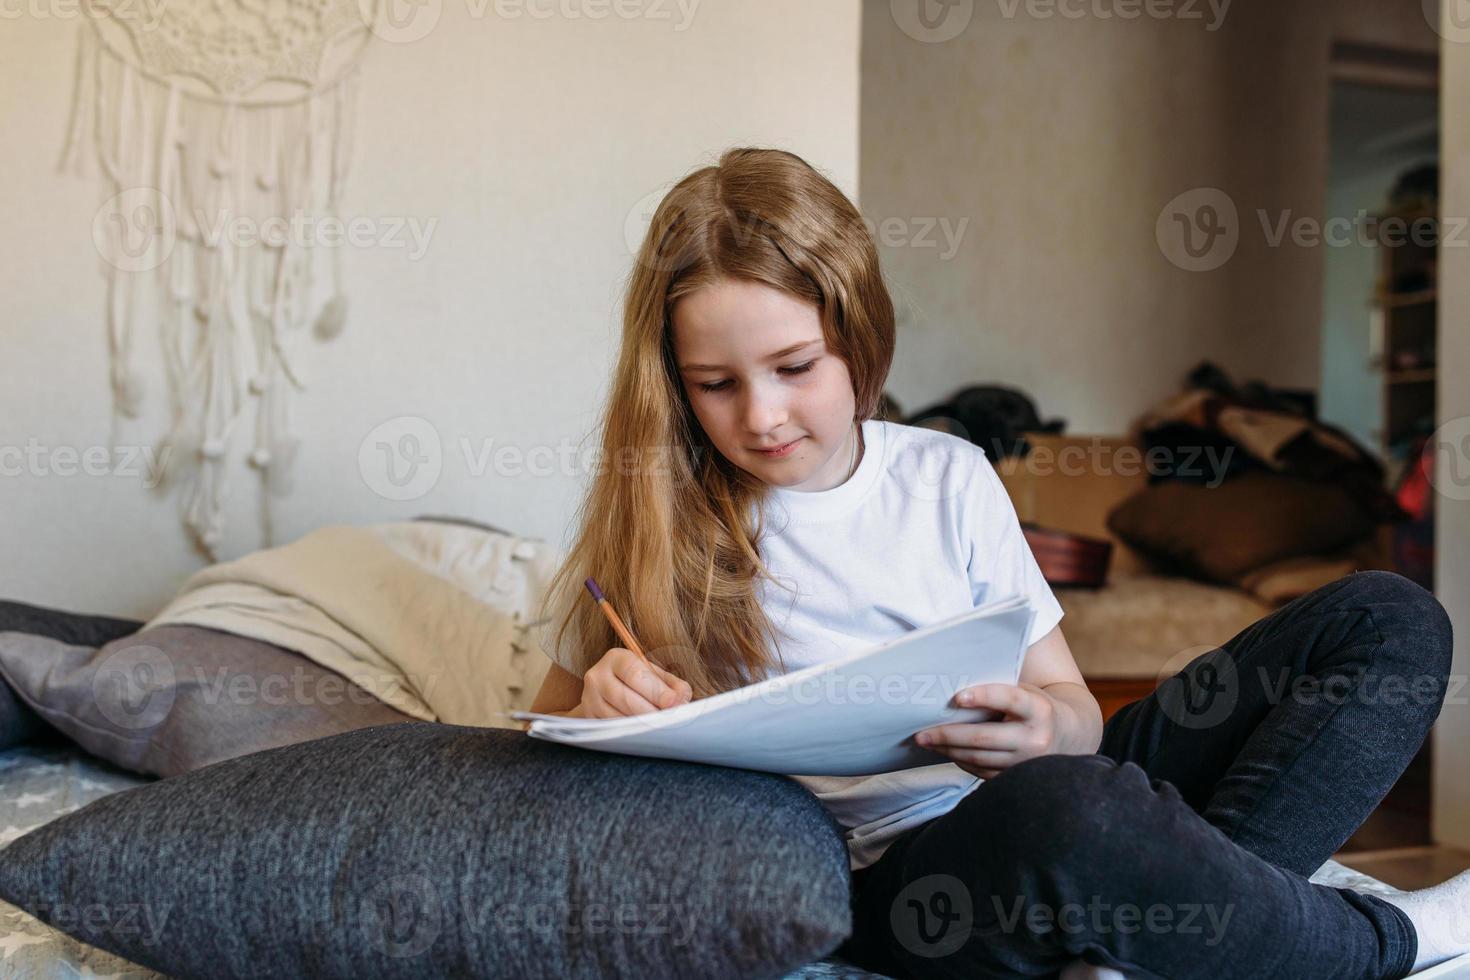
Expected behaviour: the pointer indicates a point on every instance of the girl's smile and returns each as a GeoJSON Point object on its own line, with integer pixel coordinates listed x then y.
{"type": "Point", "coordinates": [781, 451]}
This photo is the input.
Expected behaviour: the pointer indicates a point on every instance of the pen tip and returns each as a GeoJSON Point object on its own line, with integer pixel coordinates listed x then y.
{"type": "Point", "coordinates": [591, 584]}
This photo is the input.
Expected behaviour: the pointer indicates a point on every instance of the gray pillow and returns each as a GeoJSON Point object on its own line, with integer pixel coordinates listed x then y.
{"type": "Point", "coordinates": [430, 850]}
{"type": "Point", "coordinates": [18, 723]}
{"type": "Point", "coordinates": [176, 698]}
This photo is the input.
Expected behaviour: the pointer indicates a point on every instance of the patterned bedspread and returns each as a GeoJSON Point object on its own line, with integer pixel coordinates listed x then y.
{"type": "Point", "coordinates": [40, 783]}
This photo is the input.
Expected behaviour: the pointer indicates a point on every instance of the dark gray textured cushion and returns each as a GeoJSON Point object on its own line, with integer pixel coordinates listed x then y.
{"type": "Point", "coordinates": [18, 724]}
{"type": "Point", "coordinates": [425, 850]}
{"type": "Point", "coordinates": [173, 699]}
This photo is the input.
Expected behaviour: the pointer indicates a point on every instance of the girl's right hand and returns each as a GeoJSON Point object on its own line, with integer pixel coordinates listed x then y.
{"type": "Point", "coordinates": [623, 683]}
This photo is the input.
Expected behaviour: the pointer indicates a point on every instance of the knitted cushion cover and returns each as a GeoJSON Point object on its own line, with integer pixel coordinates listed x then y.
{"type": "Point", "coordinates": [423, 849]}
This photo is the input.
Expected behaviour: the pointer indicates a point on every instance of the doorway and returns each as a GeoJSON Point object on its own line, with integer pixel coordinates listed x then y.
{"type": "Point", "coordinates": [1378, 317]}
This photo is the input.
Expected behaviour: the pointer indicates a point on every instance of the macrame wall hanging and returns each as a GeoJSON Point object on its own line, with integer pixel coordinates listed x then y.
{"type": "Point", "coordinates": [215, 123]}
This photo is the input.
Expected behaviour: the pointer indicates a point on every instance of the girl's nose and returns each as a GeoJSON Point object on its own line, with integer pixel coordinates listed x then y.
{"type": "Point", "coordinates": [764, 413]}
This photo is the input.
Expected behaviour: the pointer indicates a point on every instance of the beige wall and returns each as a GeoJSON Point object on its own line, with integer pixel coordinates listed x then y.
{"type": "Point", "coordinates": [530, 141]}
{"type": "Point", "coordinates": [1060, 141]}
{"type": "Point", "coordinates": [1452, 519]}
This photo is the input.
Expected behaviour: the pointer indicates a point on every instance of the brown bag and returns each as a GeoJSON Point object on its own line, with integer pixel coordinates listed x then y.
{"type": "Point", "coordinates": [1069, 559]}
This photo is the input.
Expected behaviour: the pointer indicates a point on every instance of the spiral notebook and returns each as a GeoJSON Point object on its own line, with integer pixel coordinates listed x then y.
{"type": "Point", "coordinates": [849, 717]}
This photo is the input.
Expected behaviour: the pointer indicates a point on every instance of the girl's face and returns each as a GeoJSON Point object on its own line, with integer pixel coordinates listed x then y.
{"type": "Point", "coordinates": [758, 375]}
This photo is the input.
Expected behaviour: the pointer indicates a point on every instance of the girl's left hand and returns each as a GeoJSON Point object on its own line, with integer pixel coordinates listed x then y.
{"type": "Point", "coordinates": [1028, 729]}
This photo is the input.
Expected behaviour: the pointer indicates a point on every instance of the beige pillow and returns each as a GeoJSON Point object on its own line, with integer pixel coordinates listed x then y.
{"type": "Point", "coordinates": [1283, 581]}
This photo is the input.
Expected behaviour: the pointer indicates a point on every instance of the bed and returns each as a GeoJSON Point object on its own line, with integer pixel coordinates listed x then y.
{"type": "Point", "coordinates": [41, 782]}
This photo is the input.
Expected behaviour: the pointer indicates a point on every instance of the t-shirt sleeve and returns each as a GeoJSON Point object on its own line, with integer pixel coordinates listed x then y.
{"type": "Point", "coordinates": [544, 635]}
{"type": "Point", "coordinates": [1000, 561]}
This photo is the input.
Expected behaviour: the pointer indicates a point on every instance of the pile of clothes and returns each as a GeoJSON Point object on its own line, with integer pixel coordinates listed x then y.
{"type": "Point", "coordinates": [1286, 493]}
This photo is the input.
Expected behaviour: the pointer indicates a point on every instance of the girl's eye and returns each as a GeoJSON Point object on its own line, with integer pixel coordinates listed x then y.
{"type": "Point", "coordinates": [797, 369]}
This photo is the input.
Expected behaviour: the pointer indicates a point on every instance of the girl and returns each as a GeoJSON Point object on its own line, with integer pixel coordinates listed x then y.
{"type": "Point", "coordinates": [758, 519]}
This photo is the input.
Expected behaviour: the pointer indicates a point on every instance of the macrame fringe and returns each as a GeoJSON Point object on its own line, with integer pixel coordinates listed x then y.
{"type": "Point", "coordinates": [227, 313]}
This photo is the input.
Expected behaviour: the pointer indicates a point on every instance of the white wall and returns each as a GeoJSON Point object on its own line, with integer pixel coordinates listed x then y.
{"type": "Point", "coordinates": [529, 141]}
{"type": "Point", "coordinates": [1452, 517]}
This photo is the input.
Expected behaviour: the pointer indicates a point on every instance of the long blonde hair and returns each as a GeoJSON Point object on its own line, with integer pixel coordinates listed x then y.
{"type": "Point", "coordinates": [669, 527]}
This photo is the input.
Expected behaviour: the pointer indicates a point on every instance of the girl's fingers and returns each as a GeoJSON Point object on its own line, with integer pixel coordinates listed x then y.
{"type": "Point", "coordinates": [627, 701]}
{"type": "Point", "coordinates": [643, 678]}
{"type": "Point", "coordinates": [1003, 736]}
{"type": "Point", "coordinates": [1008, 698]}
{"type": "Point", "coordinates": [979, 759]}
{"type": "Point", "coordinates": [680, 685]}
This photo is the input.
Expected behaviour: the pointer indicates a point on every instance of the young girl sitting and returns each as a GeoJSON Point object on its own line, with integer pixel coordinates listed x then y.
{"type": "Point", "coordinates": [759, 519]}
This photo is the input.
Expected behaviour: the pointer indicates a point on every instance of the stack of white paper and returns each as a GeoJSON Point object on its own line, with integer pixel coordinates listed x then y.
{"type": "Point", "coordinates": [849, 717]}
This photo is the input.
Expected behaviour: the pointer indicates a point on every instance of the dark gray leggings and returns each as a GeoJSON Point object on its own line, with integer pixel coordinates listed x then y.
{"type": "Point", "coordinates": [1184, 847]}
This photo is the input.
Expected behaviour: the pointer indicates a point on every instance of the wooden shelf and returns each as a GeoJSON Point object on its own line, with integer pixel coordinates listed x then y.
{"type": "Point", "coordinates": [1410, 216]}
{"type": "Point", "coordinates": [1402, 329]}
{"type": "Point", "coordinates": [1400, 300]}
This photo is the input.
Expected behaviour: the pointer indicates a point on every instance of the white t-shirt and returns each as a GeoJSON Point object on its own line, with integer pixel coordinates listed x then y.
{"type": "Point", "coordinates": [921, 532]}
